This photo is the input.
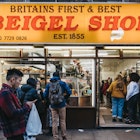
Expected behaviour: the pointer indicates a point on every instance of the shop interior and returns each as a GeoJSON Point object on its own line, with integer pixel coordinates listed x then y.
{"type": "Point", "coordinates": [79, 66]}
{"type": "Point", "coordinates": [109, 69]}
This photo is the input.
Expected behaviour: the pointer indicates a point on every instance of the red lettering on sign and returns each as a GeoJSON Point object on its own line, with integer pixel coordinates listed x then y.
{"type": "Point", "coordinates": [69, 24]}
{"type": "Point", "coordinates": [130, 25]}
{"type": "Point", "coordinates": [12, 23]}
{"type": "Point", "coordinates": [42, 23]}
{"type": "Point", "coordinates": [1, 22]}
{"type": "Point", "coordinates": [95, 22]}
{"type": "Point", "coordinates": [55, 23]}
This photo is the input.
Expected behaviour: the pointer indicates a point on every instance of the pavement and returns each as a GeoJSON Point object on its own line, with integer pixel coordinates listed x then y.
{"type": "Point", "coordinates": [95, 134]}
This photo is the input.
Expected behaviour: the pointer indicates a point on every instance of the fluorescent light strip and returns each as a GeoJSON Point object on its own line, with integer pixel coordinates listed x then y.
{"type": "Point", "coordinates": [68, 47]}
{"type": "Point", "coordinates": [122, 47]}
{"type": "Point", "coordinates": [16, 47]}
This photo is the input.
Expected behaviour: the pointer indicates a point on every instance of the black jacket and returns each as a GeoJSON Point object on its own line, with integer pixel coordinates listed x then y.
{"type": "Point", "coordinates": [29, 93]}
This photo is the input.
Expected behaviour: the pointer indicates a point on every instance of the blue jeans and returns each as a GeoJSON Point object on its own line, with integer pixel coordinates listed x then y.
{"type": "Point", "coordinates": [117, 107]}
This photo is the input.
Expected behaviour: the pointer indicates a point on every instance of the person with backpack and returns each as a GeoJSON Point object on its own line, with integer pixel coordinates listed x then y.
{"type": "Point", "coordinates": [57, 93]}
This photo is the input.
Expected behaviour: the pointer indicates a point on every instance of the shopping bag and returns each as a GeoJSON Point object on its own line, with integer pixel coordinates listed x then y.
{"type": "Point", "coordinates": [34, 125]}
{"type": "Point", "coordinates": [29, 138]}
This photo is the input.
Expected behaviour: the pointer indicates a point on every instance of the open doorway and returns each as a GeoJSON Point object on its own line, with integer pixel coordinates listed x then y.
{"type": "Point", "coordinates": [109, 69]}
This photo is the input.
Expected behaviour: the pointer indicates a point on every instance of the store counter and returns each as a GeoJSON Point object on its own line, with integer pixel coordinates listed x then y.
{"type": "Point", "coordinates": [84, 100]}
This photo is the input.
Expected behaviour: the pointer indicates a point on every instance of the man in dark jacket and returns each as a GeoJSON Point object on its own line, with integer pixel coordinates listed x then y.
{"type": "Point", "coordinates": [58, 110]}
{"type": "Point", "coordinates": [11, 113]}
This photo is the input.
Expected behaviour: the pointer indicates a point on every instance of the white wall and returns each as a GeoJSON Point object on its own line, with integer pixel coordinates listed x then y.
{"type": "Point", "coordinates": [112, 69]}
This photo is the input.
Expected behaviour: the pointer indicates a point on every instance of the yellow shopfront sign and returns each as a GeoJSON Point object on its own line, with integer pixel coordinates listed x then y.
{"type": "Point", "coordinates": [70, 23]}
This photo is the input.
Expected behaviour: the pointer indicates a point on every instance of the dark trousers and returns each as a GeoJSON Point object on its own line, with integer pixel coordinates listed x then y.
{"type": "Point", "coordinates": [132, 107]}
{"type": "Point", "coordinates": [18, 137]}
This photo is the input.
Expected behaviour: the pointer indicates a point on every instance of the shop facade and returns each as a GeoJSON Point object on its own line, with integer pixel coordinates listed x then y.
{"type": "Point", "coordinates": [73, 39]}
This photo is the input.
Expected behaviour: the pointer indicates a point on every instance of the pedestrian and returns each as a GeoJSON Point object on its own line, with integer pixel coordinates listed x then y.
{"type": "Point", "coordinates": [11, 113]}
{"type": "Point", "coordinates": [104, 89]}
{"type": "Point", "coordinates": [118, 92]}
{"type": "Point", "coordinates": [29, 93]}
{"type": "Point", "coordinates": [132, 98]}
{"type": "Point", "coordinates": [42, 104]}
{"type": "Point", "coordinates": [58, 106]}
{"type": "Point", "coordinates": [101, 92]}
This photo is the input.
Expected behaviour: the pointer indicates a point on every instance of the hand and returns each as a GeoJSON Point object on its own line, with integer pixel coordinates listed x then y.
{"type": "Point", "coordinates": [30, 103]}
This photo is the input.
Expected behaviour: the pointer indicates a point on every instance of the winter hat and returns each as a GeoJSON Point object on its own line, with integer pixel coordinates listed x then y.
{"type": "Point", "coordinates": [32, 82]}
{"type": "Point", "coordinates": [56, 74]}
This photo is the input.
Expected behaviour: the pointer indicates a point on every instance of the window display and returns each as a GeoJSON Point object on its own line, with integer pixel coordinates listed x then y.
{"type": "Point", "coordinates": [78, 74]}
{"type": "Point", "coordinates": [75, 71]}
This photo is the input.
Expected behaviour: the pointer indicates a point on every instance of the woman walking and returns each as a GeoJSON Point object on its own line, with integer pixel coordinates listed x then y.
{"type": "Point", "coordinates": [118, 92]}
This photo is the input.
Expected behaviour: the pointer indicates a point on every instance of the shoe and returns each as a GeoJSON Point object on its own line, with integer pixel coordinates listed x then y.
{"type": "Point", "coordinates": [114, 120]}
{"type": "Point", "coordinates": [49, 134]}
{"type": "Point", "coordinates": [129, 121]}
{"type": "Point", "coordinates": [64, 138]}
{"type": "Point", "coordinates": [120, 120]}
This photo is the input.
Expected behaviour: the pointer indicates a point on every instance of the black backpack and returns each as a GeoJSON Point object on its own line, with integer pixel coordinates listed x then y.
{"type": "Point", "coordinates": [55, 93]}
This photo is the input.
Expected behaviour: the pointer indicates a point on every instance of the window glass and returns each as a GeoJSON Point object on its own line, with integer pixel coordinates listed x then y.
{"type": "Point", "coordinates": [68, 51]}
{"type": "Point", "coordinates": [9, 52]}
{"type": "Point", "coordinates": [35, 69]}
{"type": "Point", "coordinates": [131, 53]}
{"type": "Point", "coordinates": [77, 73]}
{"type": "Point", "coordinates": [108, 53]}
{"type": "Point", "coordinates": [33, 52]}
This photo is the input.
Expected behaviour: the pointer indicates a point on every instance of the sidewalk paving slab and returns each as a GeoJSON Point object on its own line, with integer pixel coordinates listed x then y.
{"type": "Point", "coordinates": [95, 134]}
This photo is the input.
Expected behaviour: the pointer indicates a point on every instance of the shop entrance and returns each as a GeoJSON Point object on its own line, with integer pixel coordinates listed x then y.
{"type": "Point", "coordinates": [109, 68]}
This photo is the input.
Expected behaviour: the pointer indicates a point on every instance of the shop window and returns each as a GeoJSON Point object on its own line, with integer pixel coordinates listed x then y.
{"type": "Point", "coordinates": [70, 51]}
{"type": "Point", "coordinates": [131, 53]}
{"type": "Point", "coordinates": [78, 74]}
{"type": "Point", "coordinates": [34, 69]}
{"type": "Point", "coordinates": [108, 53]}
{"type": "Point", "coordinates": [42, 0]}
{"type": "Point", "coordinates": [34, 53]}
{"type": "Point", "coordinates": [4, 52]}
{"type": "Point", "coordinates": [57, 52]}
{"type": "Point", "coordinates": [75, 0]}
{"type": "Point", "coordinates": [84, 52]}
{"type": "Point", "coordinates": [69, 1]}
{"type": "Point", "coordinates": [12, 0]}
